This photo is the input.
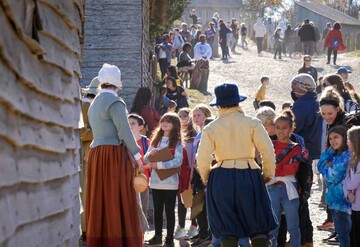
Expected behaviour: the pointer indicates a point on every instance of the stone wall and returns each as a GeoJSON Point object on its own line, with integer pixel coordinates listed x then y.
{"type": "Point", "coordinates": [117, 32]}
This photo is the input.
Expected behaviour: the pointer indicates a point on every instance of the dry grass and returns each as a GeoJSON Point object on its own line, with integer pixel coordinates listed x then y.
{"type": "Point", "coordinates": [355, 53]}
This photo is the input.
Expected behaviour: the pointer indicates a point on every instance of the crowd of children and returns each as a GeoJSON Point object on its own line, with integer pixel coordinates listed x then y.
{"type": "Point", "coordinates": [289, 188]}
{"type": "Point", "coordinates": [272, 158]}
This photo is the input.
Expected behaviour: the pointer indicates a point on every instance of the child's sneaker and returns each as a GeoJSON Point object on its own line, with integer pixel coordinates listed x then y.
{"type": "Point", "coordinates": [180, 233]}
{"type": "Point", "coordinates": [193, 231]}
{"type": "Point", "coordinates": [326, 226]}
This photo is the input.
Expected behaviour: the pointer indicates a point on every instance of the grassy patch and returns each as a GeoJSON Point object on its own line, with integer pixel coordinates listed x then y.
{"type": "Point", "coordinates": [158, 76]}
{"type": "Point", "coordinates": [195, 97]}
{"type": "Point", "coordinates": [355, 53]}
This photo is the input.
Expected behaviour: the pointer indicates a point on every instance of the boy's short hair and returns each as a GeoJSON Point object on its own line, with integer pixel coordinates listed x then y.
{"type": "Point", "coordinates": [267, 103]}
{"type": "Point", "coordinates": [264, 78]}
{"type": "Point", "coordinates": [138, 118]}
{"type": "Point", "coordinates": [286, 105]}
{"type": "Point", "coordinates": [162, 90]}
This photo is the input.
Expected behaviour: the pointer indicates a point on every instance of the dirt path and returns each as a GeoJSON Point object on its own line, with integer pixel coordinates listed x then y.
{"type": "Point", "coordinates": [246, 68]}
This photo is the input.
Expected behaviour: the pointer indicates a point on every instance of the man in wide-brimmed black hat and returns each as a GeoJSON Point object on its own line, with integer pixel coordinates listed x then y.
{"type": "Point", "coordinates": [237, 200]}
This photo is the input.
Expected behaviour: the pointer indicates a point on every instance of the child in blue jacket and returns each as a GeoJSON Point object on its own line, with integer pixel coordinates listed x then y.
{"type": "Point", "coordinates": [332, 165]}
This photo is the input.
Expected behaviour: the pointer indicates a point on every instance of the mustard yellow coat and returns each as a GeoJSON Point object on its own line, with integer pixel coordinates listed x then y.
{"type": "Point", "coordinates": [232, 137]}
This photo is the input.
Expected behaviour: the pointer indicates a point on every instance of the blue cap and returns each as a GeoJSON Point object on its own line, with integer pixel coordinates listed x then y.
{"type": "Point", "coordinates": [227, 94]}
{"type": "Point", "coordinates": [343, 70]}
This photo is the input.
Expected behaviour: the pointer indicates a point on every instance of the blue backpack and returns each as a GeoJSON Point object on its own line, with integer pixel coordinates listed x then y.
{"type": "Point", "coordinates": [335, 43]}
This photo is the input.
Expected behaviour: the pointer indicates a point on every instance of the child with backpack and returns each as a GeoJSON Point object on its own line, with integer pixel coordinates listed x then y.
{"type": "Point", "coordinates": [283, 187]}
{"type": "Point", "coordinates": [332, 165]}
{"type": "Point", "coordinates": [199, 114]}
{"type": "Point", "coordinates": [137, 124]}
{"type": "Point", "coordinates": [188, 134]}
{"type": "Point", "coordinates": [164, 192]}
{"type": "Point", "coordinates": [334, 42]}
{"type": "Point", "coordinates": [351, 184]}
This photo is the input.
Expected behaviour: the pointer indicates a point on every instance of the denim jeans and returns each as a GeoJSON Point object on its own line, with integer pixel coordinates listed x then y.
{"type": "Point", "coordinates": [244, 44]}
{"type": "Point", "coordinates": [224, 50]}
{"type": "Point", "coordinates": [163, 63]}
{"type": "Point", "coordinates": [280, 202]}
{"type": "Point", "coordinates": [342, 222]}
{"type": "Point", "coordinates": [243, 242]}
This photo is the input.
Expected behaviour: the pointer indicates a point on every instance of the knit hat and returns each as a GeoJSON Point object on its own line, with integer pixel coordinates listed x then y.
{"type": "Point", "coordinates": [110, 74]}
{"type": "Point", "coordinates": [93, 87]}
{"type": "Point", "coordinates": [227, 94]}
{"type": "Point", "coordinates": [304, 82]}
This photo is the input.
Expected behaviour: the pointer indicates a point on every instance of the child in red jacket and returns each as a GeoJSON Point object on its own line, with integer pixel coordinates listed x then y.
{"type": "Point", "coordinates": [283, 187]}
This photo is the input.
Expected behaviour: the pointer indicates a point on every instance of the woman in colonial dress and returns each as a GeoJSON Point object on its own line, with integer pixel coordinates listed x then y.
{"type": "Point", "coordinates": [111, 207]}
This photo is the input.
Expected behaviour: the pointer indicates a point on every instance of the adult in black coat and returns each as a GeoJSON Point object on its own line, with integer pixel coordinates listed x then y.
{"type": "Point", "coordinates": [307, 37]}
{"type": "Point", "coordinates": [222, 39]}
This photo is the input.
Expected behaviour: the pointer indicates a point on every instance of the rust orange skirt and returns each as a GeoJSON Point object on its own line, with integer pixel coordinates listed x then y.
{"type": "Point", "coordinates": [111, 209]}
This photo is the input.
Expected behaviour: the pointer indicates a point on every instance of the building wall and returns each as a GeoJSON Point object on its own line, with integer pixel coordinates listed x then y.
{"type": "Point", "coordinates": [205, 9]}
{"type": "Point", "coordinates": [39, 118]}
{"type": "Point", "coordinates": [146, 48]}
{"type": "Point", "coordinates": [320, 21]}
{"type": "Point", "coordinates": [116, 32]}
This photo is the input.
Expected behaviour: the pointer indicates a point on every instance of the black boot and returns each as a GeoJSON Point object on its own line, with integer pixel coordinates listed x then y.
{"type": "Point", "coordinates": [169, 242]}
{"type": "Point", "coordinates": [156, 240]}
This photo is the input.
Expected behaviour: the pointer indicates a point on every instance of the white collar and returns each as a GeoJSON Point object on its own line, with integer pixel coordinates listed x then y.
{"type": "Point", "coordinates": [104, 90]}
{"type": "Point", "coordinates": [86, 100]}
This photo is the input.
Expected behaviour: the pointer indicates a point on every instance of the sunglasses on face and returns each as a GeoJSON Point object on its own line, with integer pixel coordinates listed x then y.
{"type": "Point", "coordinates": [307, 60]}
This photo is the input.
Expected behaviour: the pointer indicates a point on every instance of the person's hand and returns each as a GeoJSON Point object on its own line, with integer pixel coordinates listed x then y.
{"type": "Point", "coordinates": [146, 166]}
{"type": "Point", "coordinates": [139, 164]}
{"type": "Point", "coordinates": [154, 165]}
{"type": "Point", "coordinates": [205, 182]}
{"type": "Point", "coordinates": [154, 151]}
{"type": "Point", "coordinates": [141, 169]}
{"type": "Point", "coordinates": [267, 179]}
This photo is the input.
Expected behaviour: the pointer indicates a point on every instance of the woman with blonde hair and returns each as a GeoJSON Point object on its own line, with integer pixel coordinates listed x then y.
{"type": "Point", "coordinates": [267, 116]}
